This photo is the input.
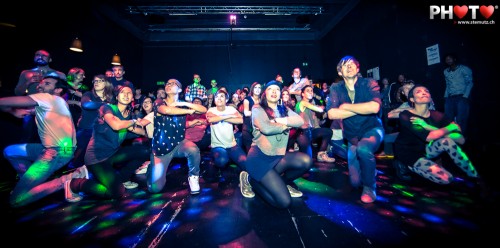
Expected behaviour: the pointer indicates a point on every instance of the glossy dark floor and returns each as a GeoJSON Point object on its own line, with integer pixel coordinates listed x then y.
{"type": "Point", "coordinates": [329, 214]}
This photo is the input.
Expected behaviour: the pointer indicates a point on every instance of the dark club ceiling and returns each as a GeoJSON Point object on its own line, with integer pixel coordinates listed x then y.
{"type": "Point", "coordinates": [163, 21]}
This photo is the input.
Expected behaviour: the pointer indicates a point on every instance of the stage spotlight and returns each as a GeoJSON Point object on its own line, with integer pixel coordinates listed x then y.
{"type": "Point", "coordinates": [232, 20]}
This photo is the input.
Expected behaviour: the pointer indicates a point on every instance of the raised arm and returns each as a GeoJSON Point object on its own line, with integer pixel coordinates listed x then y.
{"type": "Point", "coordinates": [306, 104]}
{"type": "Point", "coordinates": [17, 102]}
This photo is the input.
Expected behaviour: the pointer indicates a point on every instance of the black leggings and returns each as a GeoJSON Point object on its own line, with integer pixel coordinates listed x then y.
{"type": "Point", "coordinates": [107, 181]}
{"type": "Point", "coordinates": [246, 140]}
{"type": "Point", "coordinates": [305, 138]}
{"type": "Point", "coordinates": [273, 186]}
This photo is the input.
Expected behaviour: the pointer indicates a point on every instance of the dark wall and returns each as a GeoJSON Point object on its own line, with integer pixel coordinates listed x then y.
{"type": "Point", "coordinates": [232, 66]}
{"type": "Point", "coordinates": [41, 25]}
{"type": "Point", "coordinates": [52, 28]}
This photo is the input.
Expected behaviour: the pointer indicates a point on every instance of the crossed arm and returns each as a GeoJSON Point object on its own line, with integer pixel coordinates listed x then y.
{"type": "Point", "coordinates": [173, 108]}
{"type": "Point", "coordinates": [452, 130]}
{"type": "Point", "coordinates": [235, 118]}
{"type": "Point", "coordinates": [347, 110]}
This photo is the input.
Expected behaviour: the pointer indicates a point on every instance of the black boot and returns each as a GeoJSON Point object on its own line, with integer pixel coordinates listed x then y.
{"type": "Point", "coordinates": [402, 171]}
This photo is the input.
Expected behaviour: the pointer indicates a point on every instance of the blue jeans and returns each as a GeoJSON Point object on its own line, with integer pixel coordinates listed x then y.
{"type": "Point", "coordinates": [157, 171]}
{"type": "Point", "coordinates": [361, 158]}
{"type": "Point", "coordinates": [235, 154]}
{"type": "Point", "coordinates": [457, 109]}
{"type": "Point", "coordinates": [34, 164]}
{"type": "Point", "coordinates": [338, 148]}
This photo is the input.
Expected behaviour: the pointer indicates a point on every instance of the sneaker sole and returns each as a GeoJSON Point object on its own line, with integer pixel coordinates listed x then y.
{"type": "Point", "coordinates": [130, 186]}
{"type": "Point", "coordinates": [294, 194]}
{"type": "Point", "coordinates": [66, 193]}
{"type": "Point", "coordinates": [85, 172]}
{"type": "Point", "coordinates": [81, 172]}
{"type": "Point", "coordinates": [324, 161]}
{"type": "Point", "coordinates": [191, 191]}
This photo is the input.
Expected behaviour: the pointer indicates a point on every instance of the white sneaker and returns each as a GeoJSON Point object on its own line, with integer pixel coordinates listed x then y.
{"type": "Point", "coordinates": [69, 195]}
{"type": "Point", "coordinates": [294, 192]}
{"type": "Point", "coordinates": [323, 157]}
{"type": "Point", "coordinates": [194, 184]}
{"type": "Point", "coordinates": [130, 185]}
{"type": "Point", "coordinates": [81, 172]}
{"type": "Point", "coordinates": [369, 195]}
{"type": "Point", "coordinates": [245, 187]}
{"type": "Point", "coordinates": [143, 168]}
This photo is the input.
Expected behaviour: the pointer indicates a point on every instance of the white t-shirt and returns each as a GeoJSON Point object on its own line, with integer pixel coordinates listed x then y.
{"type": "Point", "coordinates": [150, 127]}
{"type": "Point", "coordinates": [54, 121]}
{"type": "Point", "coordinates": [222, 133]}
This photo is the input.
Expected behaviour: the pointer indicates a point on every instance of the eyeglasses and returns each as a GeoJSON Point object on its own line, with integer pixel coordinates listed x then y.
{"type": "Point", "coordinates": [98, 81]}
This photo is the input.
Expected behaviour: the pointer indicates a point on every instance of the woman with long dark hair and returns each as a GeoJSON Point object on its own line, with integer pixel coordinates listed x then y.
{"type": "Point", "coordinates": [269, 165]}
{"type": "Point", "coordinates": [113, 125]}
{"type": "Point", "coordinates": [252, 99]}
{"type": "Point", "coordinates": [101, 93]}
{"type": "Point", "coordinates": [311, 131]}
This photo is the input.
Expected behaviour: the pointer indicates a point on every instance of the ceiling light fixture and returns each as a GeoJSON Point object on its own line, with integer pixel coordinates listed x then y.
{"type": "Point", "coordinates": [116, 60]}
{"type": "Point", "coordinates": [76, 45]}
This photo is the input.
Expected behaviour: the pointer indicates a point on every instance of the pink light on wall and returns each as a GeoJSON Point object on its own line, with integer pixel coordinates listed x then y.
{"type": "Point", "coordinates": [232, 20]}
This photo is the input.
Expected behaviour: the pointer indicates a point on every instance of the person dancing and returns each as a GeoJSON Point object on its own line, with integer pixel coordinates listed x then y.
{"type": "Point", "coordinates": [425, 134]}
{"type": "Point", "coordinates": [269, 165]}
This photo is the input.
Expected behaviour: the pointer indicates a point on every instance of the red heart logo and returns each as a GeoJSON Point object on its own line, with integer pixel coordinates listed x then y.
{"type": "Point", "coordinates": [486, 11]}
{"type": "Point", "coordinates": [460, 11]}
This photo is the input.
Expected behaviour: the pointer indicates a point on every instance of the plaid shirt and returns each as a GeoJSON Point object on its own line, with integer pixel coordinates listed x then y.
{"type": "Point", "coordinates": [193, 91]}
